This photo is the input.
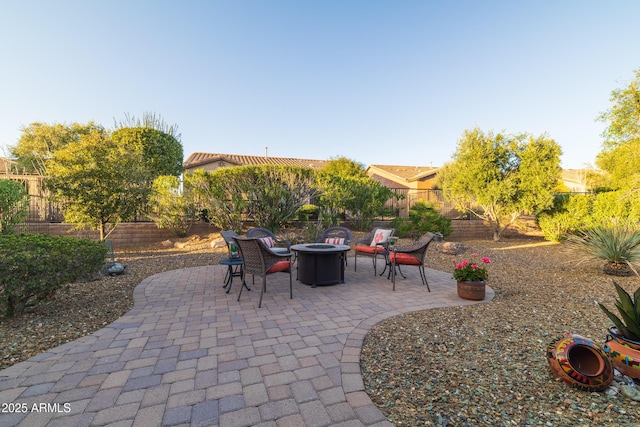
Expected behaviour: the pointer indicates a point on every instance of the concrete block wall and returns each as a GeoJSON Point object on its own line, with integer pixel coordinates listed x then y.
{"type": "Point", "coordinates": [465, 229]}
{"type": "Point", "coordinates": [146, 233]}
{"type": "Point", "coordinates": [130, 234]}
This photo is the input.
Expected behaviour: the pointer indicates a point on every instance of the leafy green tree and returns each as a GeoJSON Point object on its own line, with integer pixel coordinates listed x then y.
{"type": "Point", "coordinates": [170, 207]}
{"type": "Point", "coordinates": [14, 205]}
{"type": "Point", "coordinates": [98, 181]}
{"type": "Point", "coordinates": [366, 200]}
{"type": "Point", "coordinates": [500, 177]}
{"type": "Point", "coordinates": [334, 181]}
{"type": "Point", "coordinates": [342, 166]}
{"type": "Point", "coordinates": [162, 153]}
{"type": "Point", "coordinates": [620, 157]}
{"type": "Point", "coordinates": [39, 140]}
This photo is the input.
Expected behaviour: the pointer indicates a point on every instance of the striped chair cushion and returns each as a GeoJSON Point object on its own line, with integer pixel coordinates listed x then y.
{"type": "Point", "coordinates": [268, 241]}
{"type": "Point", "coordinates": [334, 240]}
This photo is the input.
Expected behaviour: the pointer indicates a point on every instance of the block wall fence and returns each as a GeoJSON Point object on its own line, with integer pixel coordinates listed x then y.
{"type": "Point", "coordinates": [146, 233]}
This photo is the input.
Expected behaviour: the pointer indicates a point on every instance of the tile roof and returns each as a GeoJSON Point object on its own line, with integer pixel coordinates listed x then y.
{"type": "Point", "coordinates": [199, 159]}
{"type": "Point", "coordinates": [408, 173]}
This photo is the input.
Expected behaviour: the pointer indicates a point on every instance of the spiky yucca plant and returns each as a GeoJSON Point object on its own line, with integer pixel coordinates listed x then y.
{"type": "Point", "coordinates": [629, 309]}
{"type": "Point", "coordinates": [617, 245]}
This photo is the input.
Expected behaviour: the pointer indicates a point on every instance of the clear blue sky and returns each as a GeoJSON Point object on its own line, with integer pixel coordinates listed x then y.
{"type": "Point", "coordinates": [380, 82]}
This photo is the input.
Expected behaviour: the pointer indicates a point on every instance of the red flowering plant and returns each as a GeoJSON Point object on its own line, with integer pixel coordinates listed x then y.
{"type": "Point", "coordinates": [471, 270]}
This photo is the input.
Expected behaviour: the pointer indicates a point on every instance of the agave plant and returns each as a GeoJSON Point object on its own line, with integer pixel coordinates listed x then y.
{"type": "Point", "coordinates": [629, 323]}
{"type": "Point", "coordinates": [618, 246]}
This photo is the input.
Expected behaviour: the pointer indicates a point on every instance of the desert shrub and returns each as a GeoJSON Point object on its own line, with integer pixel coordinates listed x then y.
{"type": "Point", "coordinates": [612, 244]}
{"type": "Point", "coordinates": [423, 218]}
{"type": "Point", "coordinates": [35, 266]}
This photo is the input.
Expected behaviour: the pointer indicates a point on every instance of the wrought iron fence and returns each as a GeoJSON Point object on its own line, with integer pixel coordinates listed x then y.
{"type": "Point", "coordinates": [405, 198]}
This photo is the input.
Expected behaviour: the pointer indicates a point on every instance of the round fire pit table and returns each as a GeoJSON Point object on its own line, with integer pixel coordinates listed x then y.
{"type": "Point", "coordinates": [320, 263]}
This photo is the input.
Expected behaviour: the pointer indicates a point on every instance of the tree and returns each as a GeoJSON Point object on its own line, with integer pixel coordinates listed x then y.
{"type": "Point", "coordinates": [500, 177]}
{"type": "Point", "coordinates": [14, 205]}
{"type": "Point", "coordinates": [159, 143]}
{"type": "Point", "coordinates": [98, 181]}
{"type": "Point", "coordinates": [342, 166]}
{"type": "Point", "coordinates": [620, 157]}
{"type": "Point", "coordinates": [39, 140]}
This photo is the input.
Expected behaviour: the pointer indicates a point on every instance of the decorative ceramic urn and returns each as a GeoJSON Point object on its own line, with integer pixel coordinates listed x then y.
{"type": "Point", "coordinates": [580, 362]}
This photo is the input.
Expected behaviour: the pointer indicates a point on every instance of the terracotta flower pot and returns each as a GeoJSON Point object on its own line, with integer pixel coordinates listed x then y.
{"type": "Point", "coordinates": [580, 362]}
{"type": "Point", "coordinates": [624, 353]}
{"type": "Point", "coordinates": [471, 290]}
{"type": "Point", "coordinates": [615, 335]}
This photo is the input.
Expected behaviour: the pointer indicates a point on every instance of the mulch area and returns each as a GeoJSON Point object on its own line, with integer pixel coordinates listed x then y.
{"type": "Point", "coordinates": [461, 366]}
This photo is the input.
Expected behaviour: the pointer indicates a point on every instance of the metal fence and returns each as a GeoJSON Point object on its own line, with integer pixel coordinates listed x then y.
{"type": "Point", "coordinates": [405, 198]}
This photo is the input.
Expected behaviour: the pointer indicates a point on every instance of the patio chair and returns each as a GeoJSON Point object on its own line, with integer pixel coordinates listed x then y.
{"type": "Point", "coordinates": [373, 245]}
{"type": "Point", "coordinates": [411, 254]}
{"type": "Point", "coordinates": [336, 235]}
{"type": "Point", "coordinates": [270, 239]}
{"type": "Point", "coordinates": [260, 261]}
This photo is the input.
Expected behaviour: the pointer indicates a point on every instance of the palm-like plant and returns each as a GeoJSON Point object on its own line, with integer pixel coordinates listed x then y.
{"type": "Point", "coordinates": [618, 246]}
{"type": "Point", "coordinates": [629, 323]}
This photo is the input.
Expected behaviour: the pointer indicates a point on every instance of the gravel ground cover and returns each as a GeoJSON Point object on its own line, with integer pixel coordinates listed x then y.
{"type": "Point", "coordinates": [479, 365]}
{"type": "Point", "coordinates": [486, 364]}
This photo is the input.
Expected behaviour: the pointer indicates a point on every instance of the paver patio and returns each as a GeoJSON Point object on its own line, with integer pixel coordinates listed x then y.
{"type": "Point", "coordinates": [188, 354]}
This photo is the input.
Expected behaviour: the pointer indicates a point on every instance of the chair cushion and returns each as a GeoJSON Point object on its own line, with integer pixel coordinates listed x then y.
{"type": "Point", "coordinates": [381, 236]}
{"type": "Point", "coordinates": [334, 240]}
{"type": "Point", "coordinates": [404, 259]}
{"type": "Point", "coordinates": [369, 249]}
{"type": "Point", "coordinates": [279, 266]}
{"type": "Point", "coordinates": [268, 241]}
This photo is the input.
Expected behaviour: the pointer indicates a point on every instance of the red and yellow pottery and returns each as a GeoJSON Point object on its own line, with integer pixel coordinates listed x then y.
{"type": "Point", "coordinates": [625, 358]}
{"type": "Point", "coordinates": [580, 362]}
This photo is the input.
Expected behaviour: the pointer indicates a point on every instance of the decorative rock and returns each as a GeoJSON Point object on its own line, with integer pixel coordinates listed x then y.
{"type": "Point", "coordinates": [115, 269]}
{"type": "Point", "coordinates": [452, 248]}
{"type": "Point", "coordinates": [166, 243]}
{"type": "Point", "coordinates": [218, 243]}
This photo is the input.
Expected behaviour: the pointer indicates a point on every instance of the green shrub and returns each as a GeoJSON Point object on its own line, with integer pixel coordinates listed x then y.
{"type": "Point", "coordinates": [14, 205]}
{"type": "Point", "coordinates": [423, 218]}
{"type": "Point", "coordinates": [35, 266]}
{"type": "Point", "coordinates": [308, 212]}
{"type": "Point", "coordinates": [573, 212]}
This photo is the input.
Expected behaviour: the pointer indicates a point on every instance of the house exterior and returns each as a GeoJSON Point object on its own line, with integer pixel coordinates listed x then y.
{"type": "Point", "coordinates": [213, 161]}
{"type": "Point", "coordinates": [409, 177]}
{"type": "Point", "coordinates": [575, 180]}
{"type": "Point", "coordinates": [411, 183]}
